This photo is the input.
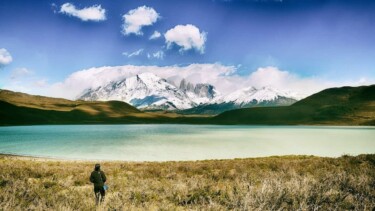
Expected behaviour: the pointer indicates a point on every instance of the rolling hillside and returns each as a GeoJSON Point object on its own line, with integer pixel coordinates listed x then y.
{"type": "Point", "coordinates": [24, 109]}
{"type": "Point", "coordinates": [111, 108]}
{"type": "Point", "coordinates": [334, 106]}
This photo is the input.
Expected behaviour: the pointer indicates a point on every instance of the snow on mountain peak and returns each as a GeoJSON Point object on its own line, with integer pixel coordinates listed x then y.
{"type": "Point", "coordinates": [149, 77]}
{"type": "Point", "coordinates": [250, 94]}
{"type": "Point", "coordinates": [149, 91]}
{"type": "Point", "coordinates": [145, 90]}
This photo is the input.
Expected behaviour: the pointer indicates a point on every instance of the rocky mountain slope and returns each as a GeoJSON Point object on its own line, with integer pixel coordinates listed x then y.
{"type": "Point", "coordinates": [149, 92]}
{"type": "Point", "coordinates": [245, 98]}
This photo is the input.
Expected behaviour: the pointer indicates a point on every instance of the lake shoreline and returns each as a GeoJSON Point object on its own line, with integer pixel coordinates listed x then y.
{"type": "Point", "coordinates": [203, 123]}
{"type": "Point", "coordinates": [52, 159]}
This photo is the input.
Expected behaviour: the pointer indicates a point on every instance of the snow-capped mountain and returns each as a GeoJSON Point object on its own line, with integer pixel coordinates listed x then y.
{"type": "Point", "coordinates": [245, 98]}
{"type": "Point", "coordinates": [148, 91]}
{"type": "Point", "coordinates": [252, 95]}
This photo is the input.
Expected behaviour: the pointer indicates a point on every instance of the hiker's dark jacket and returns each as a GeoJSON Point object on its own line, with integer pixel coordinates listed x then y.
{"type": "Point", "coordinates": [98, 178]}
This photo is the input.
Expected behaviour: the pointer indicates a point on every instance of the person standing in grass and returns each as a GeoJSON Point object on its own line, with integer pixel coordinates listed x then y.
{"type": "Point", "coordinates": [98, 178]}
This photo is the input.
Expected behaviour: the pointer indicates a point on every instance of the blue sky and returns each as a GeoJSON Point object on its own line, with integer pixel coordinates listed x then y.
{"type": "Point", "coordinates": [330, 40]}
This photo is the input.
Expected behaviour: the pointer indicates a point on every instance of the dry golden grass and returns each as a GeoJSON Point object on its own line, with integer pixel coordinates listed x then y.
{"type": "Point", "coordinates": [274, 183]}
{"type": "Point", "coordinates": [35, 101]}
{"type": "Point", "coordinates": [110, 109]}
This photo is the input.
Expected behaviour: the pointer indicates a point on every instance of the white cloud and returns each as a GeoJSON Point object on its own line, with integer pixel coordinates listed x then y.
{"type": "Point", "coordinates": [187, 37]}
{"type": "Point", "coordinates": [19, 73]}
{"type": "Point", "coordinates": [78, 81]}
{"type": "Point", "coordinates": [304, 86]}
{"type": "Point", "coordinates": [284, 80]}
{"type": "Point", "coordinates": [132, 54]}
{"type": "Point", "coordinates": [224, 78]}
{"type": "Point", "coordinates": [5, 57]}
{"type": "Point", "coordinates": [155, 35]}
{"type": "Point", "coordinates": [93, 13]}
{"type": "Point", "coordinates": [156, 55]}
{"type": "Point", "coordinates": [135, 19]}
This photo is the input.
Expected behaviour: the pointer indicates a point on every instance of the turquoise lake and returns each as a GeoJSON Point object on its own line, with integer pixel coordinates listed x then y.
{"type": "Point", "coordinates": [183, 142]}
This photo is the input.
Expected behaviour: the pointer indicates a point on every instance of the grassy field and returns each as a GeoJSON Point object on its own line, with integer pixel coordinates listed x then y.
{"type": "Point", "coordinates": [273, 183]}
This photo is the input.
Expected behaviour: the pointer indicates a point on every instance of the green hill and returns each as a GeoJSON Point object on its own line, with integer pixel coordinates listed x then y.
{"type": "Point", "coordinates": [335, 106]}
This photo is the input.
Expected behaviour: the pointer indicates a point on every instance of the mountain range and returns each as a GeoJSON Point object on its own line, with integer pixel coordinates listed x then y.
{"type": "Point", "coordinates": [147, 91]}
{"type": "Point", "coordinates": [334, 106]}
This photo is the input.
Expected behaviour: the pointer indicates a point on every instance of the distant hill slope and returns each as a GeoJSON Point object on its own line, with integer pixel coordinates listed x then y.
{"type": "Point", "coordinates": [24, 109]}
{"type": "Point", "coordinates": [335, 106]}
{"type": "Point", "coordinates": [111, 108]}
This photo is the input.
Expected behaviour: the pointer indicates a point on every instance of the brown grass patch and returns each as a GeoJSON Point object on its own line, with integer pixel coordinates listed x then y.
{"type": "Point", "coordinates": [288, 182]}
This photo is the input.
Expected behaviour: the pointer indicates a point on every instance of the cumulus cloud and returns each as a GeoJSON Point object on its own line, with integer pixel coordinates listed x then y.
{"type": "Point", "coordinates": [78, 81]}
{"type": "Point", "coordinates": [156, 55]}
{"type": "Point", "coordinates": [224, 78]}
{"type": "Point", "coordinates": [284, 80]}
{"type": "Point", "coordinates": [5, 57]}
{"type": "Point", "coordinates": [137, 18]}
{"type": "Point", "coordinates": [93, 13]}
{"type": "Point", "coordinates": [135, 53]}
{"type": "Point", "coordinates": [187, 37]}
{"type": "Point", "coordinates": [302, 86]}
{"type": "Point", "coordinates": [155, 35]}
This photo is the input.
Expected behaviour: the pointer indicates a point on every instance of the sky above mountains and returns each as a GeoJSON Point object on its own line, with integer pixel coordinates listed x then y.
{"type": "Point", "coordinates": [296, 44]}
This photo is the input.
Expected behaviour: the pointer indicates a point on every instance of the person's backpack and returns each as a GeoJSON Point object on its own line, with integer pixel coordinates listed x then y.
{"type": "Point", "coordinates": [105, 187]}
{"type": "Point", "coordinates": [101, 178]}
